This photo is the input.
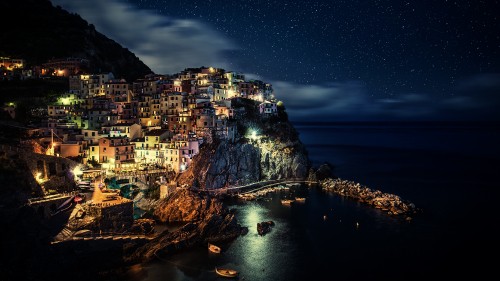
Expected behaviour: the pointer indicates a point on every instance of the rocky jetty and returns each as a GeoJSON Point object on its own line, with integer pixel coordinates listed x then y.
{"type": "Point", "coordinates": [207, 219]}
{"type": "Point", "coordinates": [390, 203]}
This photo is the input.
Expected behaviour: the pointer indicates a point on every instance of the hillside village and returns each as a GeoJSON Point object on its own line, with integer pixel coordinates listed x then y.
{"type": "Point", "coordinates": [159, 121]}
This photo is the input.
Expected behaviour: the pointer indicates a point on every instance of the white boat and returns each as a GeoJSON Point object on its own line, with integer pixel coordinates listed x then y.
{"type": "Point", "coordinates": [300, 199]}
{"type": "Point", "coordinates": [226, 272]}
{"type": "Point", "coordinates": [286, 201]}
{"type": "Point", "coordinates": [213, 248]}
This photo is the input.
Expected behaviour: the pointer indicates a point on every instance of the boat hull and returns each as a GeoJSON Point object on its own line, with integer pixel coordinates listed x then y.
{"type": "Point", "coordinates": [224, 272]}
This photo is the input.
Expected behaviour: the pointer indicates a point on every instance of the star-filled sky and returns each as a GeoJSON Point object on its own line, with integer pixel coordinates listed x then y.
{"type": "Point", "coordinates": [328, 60]}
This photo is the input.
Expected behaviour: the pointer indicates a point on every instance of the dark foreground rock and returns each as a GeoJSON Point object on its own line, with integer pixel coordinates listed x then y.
{"type": "Point", "coordinates": [390, 203]}
{"type": "Point", "coordinates": [264, 227]}
{"type": "Point", "coordinates": [207, 219]}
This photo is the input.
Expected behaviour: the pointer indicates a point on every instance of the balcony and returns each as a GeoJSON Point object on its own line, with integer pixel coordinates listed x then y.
{"type": "Point", "coordinates": [124, 152]}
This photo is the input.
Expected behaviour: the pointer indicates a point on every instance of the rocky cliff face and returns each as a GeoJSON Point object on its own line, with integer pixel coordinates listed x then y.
{"type": "Point", "coordinates": [207, 220]}
{"type": "Point", "coordinates": [274, 152]}
{"type": "Point", "coordinates": [187, 206]}
{"type": "Point", "coordinates": [243, 163]}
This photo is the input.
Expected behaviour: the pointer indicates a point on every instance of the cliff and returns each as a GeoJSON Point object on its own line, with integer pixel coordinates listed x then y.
{"type": "Point", "coordinates": [264, 149]}
{"type": "Point", "coordinates": [37, 32]}
{"type": "Point", "coordinates": [207, 220]}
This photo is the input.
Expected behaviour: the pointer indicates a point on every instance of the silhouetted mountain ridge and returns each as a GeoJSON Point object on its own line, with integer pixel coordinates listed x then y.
{"type": "Point", "coordinates": [37, 31]}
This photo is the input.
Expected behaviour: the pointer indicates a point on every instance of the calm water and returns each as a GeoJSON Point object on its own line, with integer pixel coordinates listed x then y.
{"type": "Point", "coordinates": [448, 171]}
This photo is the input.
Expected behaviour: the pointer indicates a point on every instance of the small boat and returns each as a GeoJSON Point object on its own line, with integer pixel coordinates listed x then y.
{"type": "Point", "coordinates": [300, 199]}
{"type": "Point", "coordinates": [79, 198]}
{"type": "Point", "coordinates": [213, 248]}
{"type": "Point", "coordinates": [226, 272]}
{"type": "Point", "coordinates": [286, 201]}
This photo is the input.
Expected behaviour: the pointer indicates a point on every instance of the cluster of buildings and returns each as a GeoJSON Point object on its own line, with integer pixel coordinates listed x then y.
{"type": "Point", "coordinates": [160, 120]}
{"type": "Point", "coordinates": [16, 68]}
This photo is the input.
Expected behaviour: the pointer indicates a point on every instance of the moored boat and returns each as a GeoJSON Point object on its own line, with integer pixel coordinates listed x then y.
{"type": "Point", "coordinates": [286, 201]}
{"type": "Point", "coordinates": [226, 272]}
{"type": "Point", "coordinates": [300, 199]}
{"type": "Point", "coordinates": [213, 248]}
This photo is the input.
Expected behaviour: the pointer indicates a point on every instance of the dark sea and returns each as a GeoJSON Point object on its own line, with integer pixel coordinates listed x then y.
{"type": "Point", "coordinates": [448, 170]}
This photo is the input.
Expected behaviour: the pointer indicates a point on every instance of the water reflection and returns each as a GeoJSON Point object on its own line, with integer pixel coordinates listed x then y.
{"type": "Point", "coordinates": [300, 243]}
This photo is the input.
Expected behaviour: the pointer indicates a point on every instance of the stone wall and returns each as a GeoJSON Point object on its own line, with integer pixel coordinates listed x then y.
{"type": "Point", "coordinates": [112, 217]}
{"type": "Point", "coordinates": [56, 171]}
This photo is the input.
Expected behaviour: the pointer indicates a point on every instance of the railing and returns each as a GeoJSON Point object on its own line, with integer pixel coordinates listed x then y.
{"type": "Point", "coordinates": [263, 184]}
{"type": "Point", "coordinates": [51, 197]}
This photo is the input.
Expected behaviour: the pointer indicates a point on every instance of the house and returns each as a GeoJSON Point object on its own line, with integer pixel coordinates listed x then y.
{"type": "Point", "coordinates": [178, 153]}
{"type": "Point", "coordinates": [116, 153]}
{"type": "Point", "coordinates": [91, 136]}
{"type": "Point", "coordinates": [129, 130]}
{"type": "Point", "coordinates": [268, 108]}
{"type": "Point", "coordinates": [72, 149]}
{"type": "Point", "coordinates": [147, 149]}
{"type": "Point", "coordinates": [113, 88]}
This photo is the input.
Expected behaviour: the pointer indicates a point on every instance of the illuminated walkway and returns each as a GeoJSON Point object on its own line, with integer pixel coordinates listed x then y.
{"type": "Point", "coordinates": [259, 185]}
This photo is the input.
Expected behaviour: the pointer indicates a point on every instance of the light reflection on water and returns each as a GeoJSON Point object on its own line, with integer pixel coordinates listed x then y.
{"type": "Point", "coordinates": [301, 240]}
{"type": "Point", "coordinates": [457, 192]}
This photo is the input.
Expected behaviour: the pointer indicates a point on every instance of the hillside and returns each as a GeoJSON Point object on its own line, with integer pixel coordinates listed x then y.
{"type": "Point", "coordinates": [274, 153]}
{"type": "Point", "coordinates": [37, 31]}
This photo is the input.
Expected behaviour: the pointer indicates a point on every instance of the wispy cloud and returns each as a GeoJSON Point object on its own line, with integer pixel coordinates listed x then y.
{"type": "Point", "coordinates": [318, 101]}
{"type": "Point", "coordinates": [475, 98]}
{"type": "Point", "coordinates": [166, 45]}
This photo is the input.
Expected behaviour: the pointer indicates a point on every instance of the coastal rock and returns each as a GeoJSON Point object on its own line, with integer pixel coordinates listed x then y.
{"type": "Point", "coordinates": [207, 220]}
{"type": "Point", "coordinates": [187, 206]}
{"type": "Point", "coordinates": [264, 227]}
{"type": "Point", "coordinates": [278, 155]}
{"type": "Point", "coordinates": [325, 171]}
{"type": "Point", "coordinates": [143, 226]}
{"type": "Point", "coordinates": [390, 203]}
{"type": "Point", "coordinates": [143, 203]}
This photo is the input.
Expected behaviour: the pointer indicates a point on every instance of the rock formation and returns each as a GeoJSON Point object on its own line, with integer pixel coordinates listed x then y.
{"type": "Point", "coordinates": [276, 152]}
{"type": "Point", "coordinates": [390, 203]}
{"type": "Point", "coordinates": [207, 220]}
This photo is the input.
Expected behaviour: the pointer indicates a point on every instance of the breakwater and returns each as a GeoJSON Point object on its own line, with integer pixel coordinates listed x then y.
{"type": "Point", "coordinates": [390, 203]}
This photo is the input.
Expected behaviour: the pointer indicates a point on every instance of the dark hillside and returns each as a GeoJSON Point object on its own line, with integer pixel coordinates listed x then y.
{"type": "Point", "coordinates": [37, 31]}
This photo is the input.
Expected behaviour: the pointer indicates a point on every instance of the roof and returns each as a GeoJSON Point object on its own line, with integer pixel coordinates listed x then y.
{"type": "Point", "coordinates": [156, 132]}
{"type": "Point", "coordinates": [123, 124]}
{"type": "Point", "coordinates": [116, 137]}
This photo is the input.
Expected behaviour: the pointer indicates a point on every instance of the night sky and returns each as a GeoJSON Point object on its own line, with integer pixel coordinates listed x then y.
{"type": "Point", "coordinates": [328, 60]}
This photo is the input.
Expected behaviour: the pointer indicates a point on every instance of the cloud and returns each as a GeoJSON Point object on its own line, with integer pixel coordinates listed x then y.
{"type": "Point", "coordinates": [319, 101]}
{"type": "Point", "coordinates": [167, 45]}
{"type": "Point", "coordinates": [474, 98]}
{"type": "Point", "coordinates": [349, 101]}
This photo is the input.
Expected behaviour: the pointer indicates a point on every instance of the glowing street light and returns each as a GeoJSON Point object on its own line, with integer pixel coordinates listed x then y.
{"type": "Point", "coordinates": [252, 134]}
